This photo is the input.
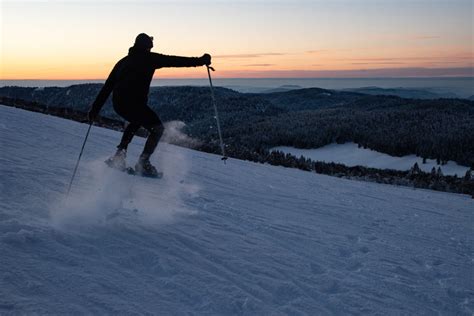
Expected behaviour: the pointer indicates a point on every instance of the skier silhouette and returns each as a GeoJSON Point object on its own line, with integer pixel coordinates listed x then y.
{"type": "Point", "coordinates": [130, 83]}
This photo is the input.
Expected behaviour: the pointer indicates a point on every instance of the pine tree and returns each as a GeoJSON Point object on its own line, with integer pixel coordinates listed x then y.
{"type": "Point", "coordinates": [415, 169]}
{"type": "Point", "coordinates": [439, 172]}
{"type": "Point", "coordinates": [468, 175]}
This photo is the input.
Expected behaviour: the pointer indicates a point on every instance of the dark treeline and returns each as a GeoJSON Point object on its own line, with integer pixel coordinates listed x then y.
{"type": "Point", "coordinates": [442, 134]}
{"type": "Point", "coordinates": [435, 180]}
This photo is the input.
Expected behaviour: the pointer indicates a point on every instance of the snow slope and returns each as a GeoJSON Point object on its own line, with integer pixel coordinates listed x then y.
{"type": "Point", "coordinates": [215, 239]}
{"type": "Point", "coordinates": [351, 155]}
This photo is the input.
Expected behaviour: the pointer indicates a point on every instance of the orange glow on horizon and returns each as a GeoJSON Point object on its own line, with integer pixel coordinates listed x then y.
{"type": "Point", "coordinates": [264, 65]}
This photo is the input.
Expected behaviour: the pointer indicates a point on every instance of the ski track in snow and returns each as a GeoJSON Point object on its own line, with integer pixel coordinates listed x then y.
{"type": "Point", "coordinates": [209, 238]}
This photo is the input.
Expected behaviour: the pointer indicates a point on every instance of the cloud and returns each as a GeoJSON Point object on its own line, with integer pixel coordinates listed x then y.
{"type": "Point", "coordinates": [317, 51]}
{"type": "Point", "coordinates": [404, 59]}
{"type": "Point", "coordinates": [450, 62]}
{"type": "Point", "coordinates": [356, 73]}
{"type": "Point", "coordinates": [259, 65]}
{"type": "Point", "coordinates": [248, 55]}
{"type": "Point", "coordinates": [424, 37]}
{"type": "Point", "coordinates": [383, 59]}
{"type": "Point", "coordinates": [380, 63]}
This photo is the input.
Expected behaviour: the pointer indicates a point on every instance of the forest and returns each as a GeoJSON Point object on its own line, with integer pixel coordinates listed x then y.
{"type": "Point", "coordinates": [304, 118]}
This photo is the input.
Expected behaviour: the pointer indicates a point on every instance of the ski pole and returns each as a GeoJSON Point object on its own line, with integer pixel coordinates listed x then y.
{"type": "Point", "coordinates": [209, 68]}
{"type": "Point", "coordinates": [78, 160]}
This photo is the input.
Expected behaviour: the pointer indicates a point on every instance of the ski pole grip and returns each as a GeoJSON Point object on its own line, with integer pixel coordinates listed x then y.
{"type": "Point", "coordinates": [209, 67]}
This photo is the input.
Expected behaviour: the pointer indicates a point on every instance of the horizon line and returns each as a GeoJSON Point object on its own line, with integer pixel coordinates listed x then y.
{"type": "Point", "coordinates": [266, 78]}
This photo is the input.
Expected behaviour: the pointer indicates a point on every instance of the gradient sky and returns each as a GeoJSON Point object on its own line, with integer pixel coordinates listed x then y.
{"type": "Point", "coordinates": [331, 38]}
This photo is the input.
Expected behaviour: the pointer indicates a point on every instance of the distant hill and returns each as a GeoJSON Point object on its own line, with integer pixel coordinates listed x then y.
{"type": "Point", "coordinates": [282, 88]}
{"type": "Point", "coordinates": [403, 92]}
{"type": "Point", "coordinates": [309, 98]}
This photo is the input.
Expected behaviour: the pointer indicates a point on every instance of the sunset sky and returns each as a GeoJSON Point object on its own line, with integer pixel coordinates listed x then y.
{"type": "Point", "coordinates": [331, 38]}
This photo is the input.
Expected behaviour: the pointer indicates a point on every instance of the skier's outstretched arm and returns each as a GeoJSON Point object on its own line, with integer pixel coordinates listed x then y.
{"type": "Point", "coordinates": [103, 94]}
{"type": "Point", "coordinates": [161, 61]}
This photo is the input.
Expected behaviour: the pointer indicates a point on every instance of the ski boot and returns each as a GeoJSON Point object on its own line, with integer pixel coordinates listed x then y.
{"type": "Point", "coordinates": [144, 168]}
{"type": "Point", "coordinates": [118, 160]}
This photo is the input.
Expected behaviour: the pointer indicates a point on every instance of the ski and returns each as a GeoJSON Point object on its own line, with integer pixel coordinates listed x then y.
{"type": "Point", "coordinates": [131, 171]}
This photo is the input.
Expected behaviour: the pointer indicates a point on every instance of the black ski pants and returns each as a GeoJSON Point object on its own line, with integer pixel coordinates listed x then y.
{"type": "Point", "coordinates": [140, 116]}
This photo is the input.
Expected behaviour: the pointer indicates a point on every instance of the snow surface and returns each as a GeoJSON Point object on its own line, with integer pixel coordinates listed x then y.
{"type": "Point", "coordinates": [215, 239]}
{"type": "Point", "coordinates": [351, 155]}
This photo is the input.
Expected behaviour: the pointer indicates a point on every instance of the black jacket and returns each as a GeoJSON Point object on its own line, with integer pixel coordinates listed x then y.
{"type": "Point", "coordinates": [131, 77]}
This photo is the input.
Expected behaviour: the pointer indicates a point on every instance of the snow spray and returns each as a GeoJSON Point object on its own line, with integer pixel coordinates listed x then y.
{"type": "Point", "coordinates": [100, 192]}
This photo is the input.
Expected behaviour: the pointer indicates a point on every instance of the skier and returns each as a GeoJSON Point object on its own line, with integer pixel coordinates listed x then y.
{"type": "Point", "coordinates": [130, 83]}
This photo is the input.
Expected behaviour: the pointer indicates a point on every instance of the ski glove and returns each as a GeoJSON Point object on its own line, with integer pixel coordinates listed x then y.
{"type": "Point", "coordinates": [206, 59]}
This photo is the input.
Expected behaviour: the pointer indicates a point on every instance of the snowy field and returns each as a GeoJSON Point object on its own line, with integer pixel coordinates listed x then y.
{"type": "Point", "coordinates": [215, 239]}
{"type": "Point", "coordinates": [350, 155]}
